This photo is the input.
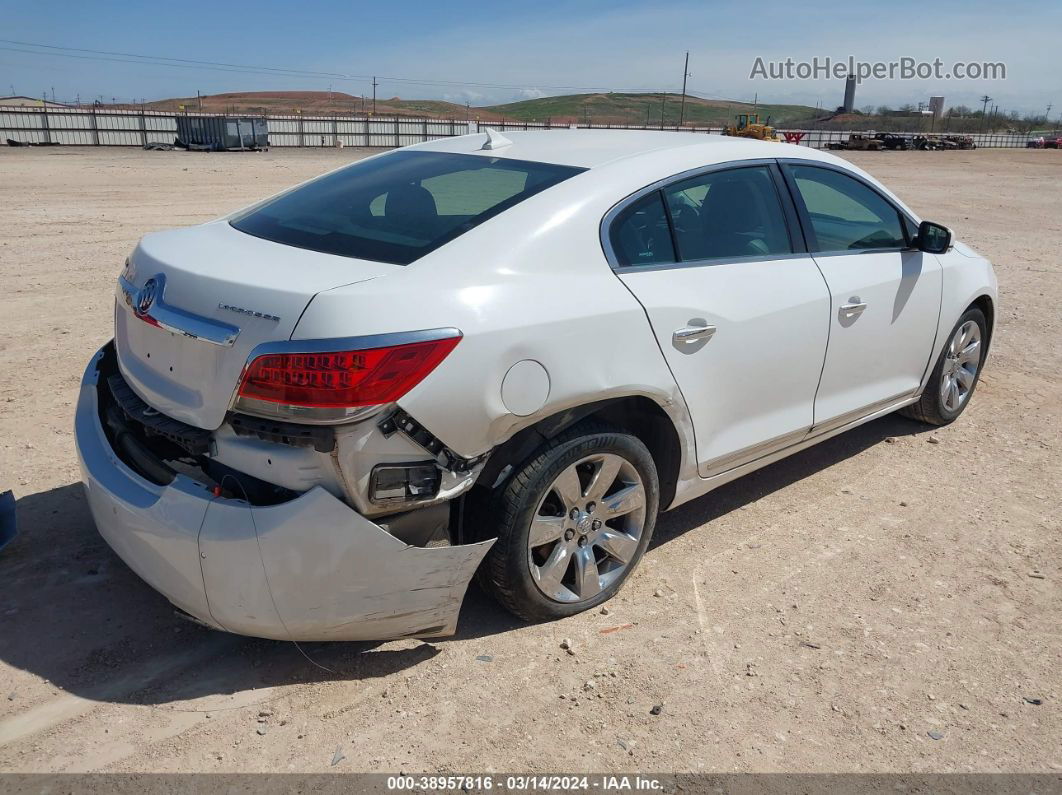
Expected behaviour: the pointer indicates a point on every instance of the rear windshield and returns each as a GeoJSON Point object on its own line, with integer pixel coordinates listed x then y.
{"type": "Point", "coordinates": [398, 207]}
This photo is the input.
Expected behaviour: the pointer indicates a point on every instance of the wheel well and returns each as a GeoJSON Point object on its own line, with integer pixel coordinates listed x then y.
{"type": "Point", "coordinates": [984, 303]}
{"type": "Point", "coordinates": [637, 415]}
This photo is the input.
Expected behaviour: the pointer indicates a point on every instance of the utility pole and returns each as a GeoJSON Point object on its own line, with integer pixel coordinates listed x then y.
{"type": "Point", "coordinates": [984, 109]}
{"type": "Point", "coordinates": [374, 84]}
{"type": "Point", "coordinates": [199, 97]}
{"type": "Point", "coordinates": [648, 109]}
{"type": "Point", "coordinates": [663, 99]}
{"type": "Point", "coordinates": [685, 74]}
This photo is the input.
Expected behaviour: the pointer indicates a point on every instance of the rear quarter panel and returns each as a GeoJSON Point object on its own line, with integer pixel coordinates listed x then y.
{"type": "Point", "coordinates": [531, 284]}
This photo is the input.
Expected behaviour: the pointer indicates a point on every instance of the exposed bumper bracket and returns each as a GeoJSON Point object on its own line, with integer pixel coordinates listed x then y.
{"type": "Point", "coordinates": [400, 421]}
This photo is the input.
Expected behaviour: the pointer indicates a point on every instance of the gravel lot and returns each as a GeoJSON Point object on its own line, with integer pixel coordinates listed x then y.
{"type": "Point", "coordinates": [828, 613]}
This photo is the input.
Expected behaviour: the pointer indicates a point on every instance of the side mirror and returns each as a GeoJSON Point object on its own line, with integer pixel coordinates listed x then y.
{"type": "Point", "coordinates": [933, 238]}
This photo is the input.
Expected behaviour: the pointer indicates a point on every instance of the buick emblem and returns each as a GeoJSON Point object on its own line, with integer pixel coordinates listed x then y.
{"type": "Point", "coordinates": [146, 297]}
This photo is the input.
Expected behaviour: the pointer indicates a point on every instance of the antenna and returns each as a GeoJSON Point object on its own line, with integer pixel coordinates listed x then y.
{"type": "Point", "coordinates": [495, 140]}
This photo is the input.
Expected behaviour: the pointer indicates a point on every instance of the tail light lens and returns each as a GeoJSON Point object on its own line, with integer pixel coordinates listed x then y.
{"type": "Point", "coordinates": [327, 385]}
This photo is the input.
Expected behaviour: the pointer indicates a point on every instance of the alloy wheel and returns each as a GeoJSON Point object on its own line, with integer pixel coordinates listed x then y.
{"type": "Point", "coordinates": [587, 528]}
{"type": "Point", "coordinates": [961, 361]}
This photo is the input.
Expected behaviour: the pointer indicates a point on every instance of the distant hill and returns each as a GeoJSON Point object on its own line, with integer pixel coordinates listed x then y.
{"type": "Point", "coordinates": [607, 108]}
{"type": "Point", "coordinates": [638, 109]}
{"type": "Point", "coordinates": [612, 108]}
{"type": "Point", "coordinates": [317, 102]}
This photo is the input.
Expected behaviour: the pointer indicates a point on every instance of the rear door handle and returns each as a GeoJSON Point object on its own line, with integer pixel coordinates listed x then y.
{"type": "Point", "coordinates": [693, 333]}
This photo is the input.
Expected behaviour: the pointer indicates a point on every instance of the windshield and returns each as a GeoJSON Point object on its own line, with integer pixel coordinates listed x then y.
{"type": "Point", "coordinates": [398, 207]}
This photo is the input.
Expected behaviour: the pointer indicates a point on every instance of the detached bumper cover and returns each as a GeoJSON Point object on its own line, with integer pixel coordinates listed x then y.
{"type": "Point", "coordinates": [308, 569]}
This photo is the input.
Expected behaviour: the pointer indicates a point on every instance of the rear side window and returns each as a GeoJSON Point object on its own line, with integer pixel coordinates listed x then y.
{"type": "Point", "coordinates": [401, 206]}
{"type": "Point", "coordinates": [733, 213]}
{"type": "Point", "coordinates": [845, 214]}
{"type": "Point", "coordinates": [641, 236]}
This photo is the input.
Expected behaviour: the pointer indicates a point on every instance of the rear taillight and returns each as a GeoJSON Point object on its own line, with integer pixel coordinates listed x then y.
{"type": "Point", "coordinates": [329, 384]}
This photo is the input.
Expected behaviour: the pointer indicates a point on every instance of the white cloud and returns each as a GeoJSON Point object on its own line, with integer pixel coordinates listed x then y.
{"type": "Point", "coordinates": [461, 97]}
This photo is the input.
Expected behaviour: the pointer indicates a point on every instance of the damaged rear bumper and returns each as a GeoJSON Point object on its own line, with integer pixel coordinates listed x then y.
{"type": "Point", "coordinates": [310, 568]}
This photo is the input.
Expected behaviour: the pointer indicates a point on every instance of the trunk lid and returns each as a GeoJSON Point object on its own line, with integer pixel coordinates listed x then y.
{"type": "Point", "coordinates": [213, 282]}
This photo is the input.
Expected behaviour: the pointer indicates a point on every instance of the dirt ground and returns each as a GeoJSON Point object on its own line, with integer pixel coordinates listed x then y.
{"type": "Point", "coordinates": [825, 614]}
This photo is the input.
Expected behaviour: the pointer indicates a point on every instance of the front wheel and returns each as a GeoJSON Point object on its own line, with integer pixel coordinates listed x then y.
{"type": "Point", "coordinates": [956, 374]}
{"type": "Point", "coordinates": [572, 523]}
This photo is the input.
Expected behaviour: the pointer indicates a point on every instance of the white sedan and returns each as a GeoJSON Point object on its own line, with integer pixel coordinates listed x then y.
{"type": "Point", "coordinates": [322, 415]}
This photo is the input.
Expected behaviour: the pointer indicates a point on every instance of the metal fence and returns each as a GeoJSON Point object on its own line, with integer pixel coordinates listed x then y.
{"type": "Point", "coordinates": [99, 127]}
{"type": "Point", "coordinates": [817, 139]}
{"type": "Point", "coordinates": [109, 127]}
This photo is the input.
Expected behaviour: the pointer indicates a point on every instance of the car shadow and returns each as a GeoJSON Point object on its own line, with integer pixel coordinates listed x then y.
{"type": "Point", "coordinates": [480, 616]}
{"type": "Point", "coordinates": [73, 614]}
{"type": "Point", "coordinates": [756, 485]}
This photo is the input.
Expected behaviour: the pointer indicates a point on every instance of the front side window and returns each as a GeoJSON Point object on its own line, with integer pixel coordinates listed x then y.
{"type": "Point", "coordinates": [845, 214]}
{"type": "Point", "coordinates": [401, 206]}
{"type": "Point", "coordinates": [732, 213]}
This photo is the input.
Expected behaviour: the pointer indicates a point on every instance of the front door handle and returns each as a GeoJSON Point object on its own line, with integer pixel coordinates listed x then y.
{"type": "Point", "coordinates": [856, 307]}
{"type": "Point", "coordinates": [693, 333]}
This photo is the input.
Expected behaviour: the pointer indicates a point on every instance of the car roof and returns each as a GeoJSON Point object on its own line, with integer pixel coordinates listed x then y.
{"type": "Point", "coordinates": [594, 148]}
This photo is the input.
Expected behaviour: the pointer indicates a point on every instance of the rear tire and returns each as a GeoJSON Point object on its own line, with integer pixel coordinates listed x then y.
{"type": "Point", "coordinates": [955, 376]}
{"type": "Point", "coordinates": [572, 522]}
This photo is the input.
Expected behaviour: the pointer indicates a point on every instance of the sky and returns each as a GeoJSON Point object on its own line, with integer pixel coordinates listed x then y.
{"type": "Point", "coordinates": [486, 52]}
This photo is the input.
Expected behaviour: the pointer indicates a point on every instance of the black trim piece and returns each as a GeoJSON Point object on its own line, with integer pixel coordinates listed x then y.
{"type": "Point", "coordinates": [789, 207]}
{"type": "Point", "coordinates": [321, 438]}
{"type": "Point", "coordinates": [417, 433]}
{"type": "Point", "coordinates": [803, 216]}
{"type": "Point", "coordinates": [134, 453]}
{"type": "Point", "coordinates": [195, 441]}
{"type": "Point", "coordinates": [676, 252]}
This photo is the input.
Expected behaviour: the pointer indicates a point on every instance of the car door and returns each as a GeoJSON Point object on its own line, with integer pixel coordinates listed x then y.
{"type": "Point", "coordinates": [885, 296]}
{"type": "Point", "coordinates": [740, 311]}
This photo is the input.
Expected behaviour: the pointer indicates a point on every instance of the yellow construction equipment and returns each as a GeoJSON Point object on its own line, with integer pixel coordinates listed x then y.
{"type": "Point", "coordinates": [747, 125]}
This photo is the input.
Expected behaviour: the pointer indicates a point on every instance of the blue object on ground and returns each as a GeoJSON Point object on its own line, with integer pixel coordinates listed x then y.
{"type": "Point", "coordinates": [7, 518]}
